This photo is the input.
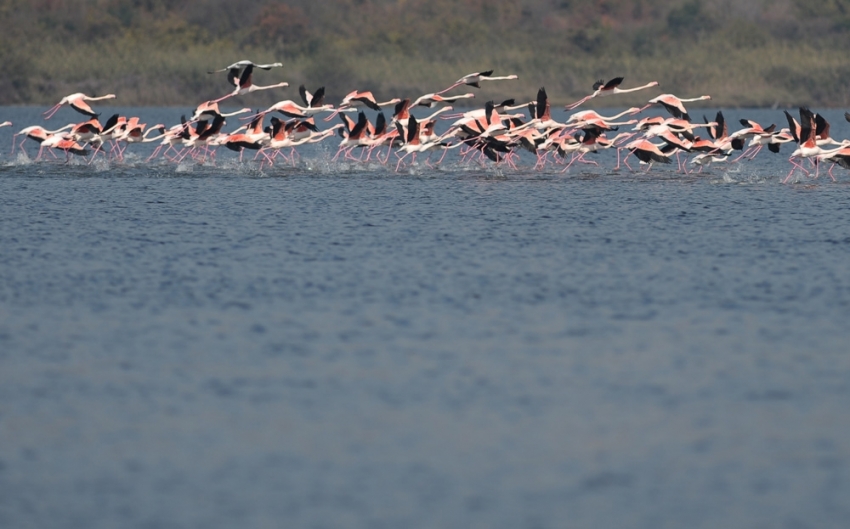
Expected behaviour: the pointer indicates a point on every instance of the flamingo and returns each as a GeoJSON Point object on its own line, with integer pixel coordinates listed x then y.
{"type": "Point", "coordinates": [246, 84]}
{"type": "Point", "coordinates": [312, 100]}
{"type": "Point", "coordinates": [6, 124]}
{"type": "Point", "coordinates": [355, 99]}
{"type": "Point", "coordinates": [77, 102]}
{"type": "Point", "coordinates": [760, 137]}
{"type": "Point", "coordinates": [37, 134]}
{"type": "Point", "coordinates": [707, 158]}
{"type": "Point", "coordinates": [65, 143]}
{"type": "Point", "coordinates": [541, 112]}
{"type": "Point", "coordinates": [674, 105]}
{"type": "Point", "coordinates": [840, 157]}
{"type": "Point", "coordinates": [209, 110]}
{"type": "Point", "coordinates": [292, 109]}
{"type": "Point", "coordinates": [413, 142]}
{"type": "Point", "coordinates": [241, 64]}
{"type": "Point", "coordinates": [205, 136]}
{"type": "Point", "coordinates": [176, 135]}
{"type": "Point", "coordinates": [252, 138]}
{"type": "Point", "coordinates": [584, 144]}
{"type": "Point", "coordinates": [135, 133]}
{"type": "Point", "coordinates": [87, 132]}
{"type": "Point", "coordinates": [647, 152]}
{"type": "Point", "coordinates": [602, 89]}
{"type": "Point", "coordinates": [592, 114]}
{"type": "Point", "coordinates": [474, 79]}
{"type": "Point", "coordinates": [807, 140]}
{"type": "Point", "coordinates": [115, 126]}
{"type": "Point", "coordinates": [432, 100]}
{"type": "Point", "coordinates": [357, 136]}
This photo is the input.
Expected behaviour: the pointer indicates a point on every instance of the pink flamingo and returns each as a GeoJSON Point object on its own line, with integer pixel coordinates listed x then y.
{"type": "Point", "coordinates": [432, 100]}
{"type": "Point", "coordinates": [807, 140]}
{"type": "Point", "coordinates": [37, 134]}
{"type": "Point", "coordinates": [647, 152]}
{"type": "Point", "coordinates": [674, 105]}
{"type": "Point", "coordinates": [602, 89]}
{"type": "Point", "coordinates": [78, 102]}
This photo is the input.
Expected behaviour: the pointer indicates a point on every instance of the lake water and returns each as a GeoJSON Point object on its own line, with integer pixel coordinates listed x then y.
{"type": "Point", "coordinates": [338, 345]}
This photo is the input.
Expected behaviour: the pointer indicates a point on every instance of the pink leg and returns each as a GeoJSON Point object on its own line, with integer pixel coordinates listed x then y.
{"type": "Point", "coordinates": [53, 110]}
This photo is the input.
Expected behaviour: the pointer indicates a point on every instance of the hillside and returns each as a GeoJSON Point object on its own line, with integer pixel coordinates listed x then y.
{"type": "Point", "coordinates": [157, 52]}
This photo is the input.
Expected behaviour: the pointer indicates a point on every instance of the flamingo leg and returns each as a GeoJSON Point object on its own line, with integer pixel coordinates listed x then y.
{"type": "Point", "coordinates": [51, 111]}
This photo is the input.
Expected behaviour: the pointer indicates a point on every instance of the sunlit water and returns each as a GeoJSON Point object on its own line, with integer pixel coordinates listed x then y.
{"type": "Point", "coordinates": [339, 345]}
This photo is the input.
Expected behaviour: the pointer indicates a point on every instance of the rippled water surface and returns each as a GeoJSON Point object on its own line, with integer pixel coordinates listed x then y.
{"type": "Point", "coordinates": [337, 345]}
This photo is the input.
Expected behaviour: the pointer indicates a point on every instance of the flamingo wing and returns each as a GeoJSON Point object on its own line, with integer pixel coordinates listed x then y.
{"type": "Point", "coordinates": [358, 129]}
{"type": "Point", "coordinates": [542, 103]}
{"type": "Point", "coordinates": [232, 76]}
{"type": "Point", "coordinates": [318, 97]}
{"type": "Point", "coordinates": [245, 78]}
{"type": "Point", "coordinates": [613, 83]}
{"type": "Point", "coordinates": [807, 125]}
{"type": "Point", "coordinates": [822, 127]}
{"type": "Point", "coordinates": [368, 102]}
{"type": "Point", "coordinates": [793, 127]}
{"type": "Point", "coordinates": [83, 108]}
{"type": "Point", "coordinates": [306, 97]}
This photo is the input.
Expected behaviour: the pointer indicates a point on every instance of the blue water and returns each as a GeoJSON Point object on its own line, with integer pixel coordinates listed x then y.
{"type": "Point", "coordinates": [337, 345]}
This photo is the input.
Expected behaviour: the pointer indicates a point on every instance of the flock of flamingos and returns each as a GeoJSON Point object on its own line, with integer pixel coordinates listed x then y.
{"type": "Point", "coordinates": [495, 132]}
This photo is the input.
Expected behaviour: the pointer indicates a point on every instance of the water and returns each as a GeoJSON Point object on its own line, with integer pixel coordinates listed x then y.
{"type": "Point", "coordinates": [342, 346]}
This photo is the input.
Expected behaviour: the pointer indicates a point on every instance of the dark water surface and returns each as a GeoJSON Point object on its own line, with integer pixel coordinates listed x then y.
{"type": "Point", "coordinates": [341, 346]}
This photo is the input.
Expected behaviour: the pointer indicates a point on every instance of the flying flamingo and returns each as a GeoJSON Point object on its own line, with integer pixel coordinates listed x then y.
{"type": "Point", "coordinates": [474, 79]}
{"type": "Point", "coordinates": [592, 114]}
{"type": "Point", "coordinates": [674, 104]}
{"type": "Point", "coordinates": [252, 138]}
{"type": "Point", "coordinates": [63, 142]}
{"type": "Point", "coordinates": [78, 102]}
{"type": "Point", "coordinates": [760, 137]}
{"type": "Point", "coordinates": [540, 111]}
{"type": "Point", "coordinates": [6, 124]}
{"type": "Point", "coordinates": [602, 89]}
{"type": "Point", "coordinates": [647, 152]}
{"type": "Point", "coordinates": [432, 100]}
{"type": "Point", "coordinates": [292, 109]}
{"type": "Point", "coordinates": [312, 100]}
{"type": "Point", "coordinates": [209, 110]}
{"type": "Point", "coordinates": [204, 137]}
{"type": "Point", "coordinates": [246, 85]}
{"type": "Point", "coordinates": [37, 134]}
{"type": "Point", "coordinates": [357, 99]}
{"type": "Point", "coordinates": [241, 64]}
{"type": "Point", "coordinates": [357, 136]}
{"type": "Point", "coordinates": [840, 157]}
{"type": "Point", "coordinates": [87, 132]}
{"type": "Point", "coordinates": [176, 135]}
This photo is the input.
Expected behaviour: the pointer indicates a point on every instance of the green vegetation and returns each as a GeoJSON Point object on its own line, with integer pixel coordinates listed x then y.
{"type": "Point", "coordinates": [157, 52]}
